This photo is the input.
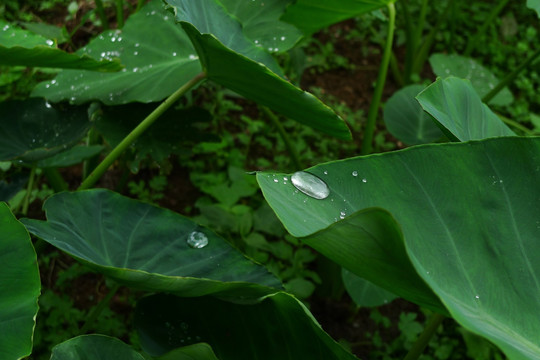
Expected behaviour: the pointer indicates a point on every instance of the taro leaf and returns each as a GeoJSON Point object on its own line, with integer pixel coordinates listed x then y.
{"type": "Point", "coordinates": [256, 82]}
{"type": "Point", "coordinates": [19, 287]}
{"type": "Point", "coordinates": [210, 17]}
{"type": "Point", "coordinates": [95, 347]}
{"type": "Point", "coordinates": [157, 55]}
{"type": "Point", "coordinates": [9, 189]}
{"type": "Point", "coordinates": [407, 121]}
{"type": "Point", "coordinates": [365, 293]}
{"type": "Point", "coordinates": [174, 129]}
{"type": "Point", "coordinates": [277, 327]}
{"type": "Point", "coordinates": [470, 220]}
{"type": "Point", "coordinates": [313, 15]}
{"type": "Point", "coordinates": [25, 48]}
{"type": "Point", "coordinates": [460, 111]}
{"type": "Point", "coordinates": [534, 5]}
{"type": "Point", "coordinates": [261, 24]}
{"type": "Point", "coordinates": [49, 31]}
{"type": "Point", "coordinates": [200, 351]}
{"type": "Point", "coordinates": [482, 79]}
{"type": "Point", "coordinates": [33, 129]}
{"type": "Point", "coordinates": [144, 246]}
{"type": "Point", "coordinates": [71, 157]}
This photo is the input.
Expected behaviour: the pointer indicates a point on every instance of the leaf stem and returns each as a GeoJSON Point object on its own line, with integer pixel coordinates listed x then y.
{"type": "Point", "coordinates": [96, 174]}
{"type": "Point", "coordinates": [381, 78]}
{"type": "Point", "coordinates": [26, 201]}
{"type": "Point", "coordinates": [422, 341]}
{"type": "Point", "coordinates": [94, 314]}
{"type": "Point", "coordinates": [102, 16]}
{"type": "Point", "coordinates": [510, 77]}
{"type": "Point", "coordinates": [119, 14]}
{"type": "Point", "coordinates": [54, 179]}
{"type": "Point", "coordinates": [293, 153]}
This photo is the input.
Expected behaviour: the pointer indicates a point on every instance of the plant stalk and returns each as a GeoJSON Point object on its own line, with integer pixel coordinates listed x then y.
{"type": "Point", "coordinates": [54, 179]}
{"type": "Point", "coordinates": [119, 14]}
{"type": "Point", "coordinates": [510, 77]}
{"type": "Point", "coordinates": [293, 153]}
{"type": "Point", "coordinates": [413, 43]}
{"type": "Point", "coordinates": [98, 172]}
{"type": "Point", "coordinates": [94, 314]}
{"type": "Point", "coordinates": [26, 201]}
{"type": "Point", "coordinates": [422, 341]}
{"type": "Point", "coordinates": [489, 20]}
{"type": "Point", "coordinates": [102, 16]}
{"type": "Point", "coordinates": [381, 78]}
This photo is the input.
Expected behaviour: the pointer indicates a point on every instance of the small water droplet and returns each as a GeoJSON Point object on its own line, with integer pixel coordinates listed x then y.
{"type": "Point", "coordinates": [173, 54]}
{"type": "Point", "coordinates": [193, 57]}
{"type": "Point", "coordinates": [342, 215]}
{"type": "Point", "coordinates": [355, 173]}
{"type": "Point", "coordinates": [477, 297]}
{"type": "Point", "coordinates": [197, 240]}
{"type": "Point", "coordinates": [282, 38]}
{"type": "Point", "coordinates": [49, 42]}
{"type": "Point", "coordinates": [276, 180]}
{"type": "Point", "coordinates": [364, 180]}
{"type": "Point", "coordinates": [48, 105]}
{"type": "Point", "coordinates": [310, 185]}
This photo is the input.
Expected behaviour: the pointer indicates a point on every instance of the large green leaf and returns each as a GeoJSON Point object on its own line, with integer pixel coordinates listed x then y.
{"type": "Point", "coordinates": [157, 55]}
{"type": "Point", "coordinates": [363, 292]}
{"type": "Point", "coordinates": [256, 82]}
{"type": "Point", "coordinates": [460, 111]}
{"type": "Point", "coordinates": [313, 15]}
{"type": "Point", "coordinates": [470, 220]}
{"type": "Point", "coordinates": [210, 17]}
{"type": "Point", "coordinates": [147, 247]}
{"type": "Point", "coordinates": [200, 351]}
{"type": "Point", "coordinates": [534, 5]}
{"type": "Point", "coordinates": [33, 129]}
{"type": "Point", "coordinates": [261, 24]}
{"type": "Point", "coordinates": [482, 79]}
{"type": "Point", "coordinates": [19, 287]}
{"type": "Point", "coordinates": [94, 347]}
{"type": "Point", "coordinates": [407, 121]}
{"type": "Point", "coordinates": [277, 327]}
{"type": "Point", "coordinates": [25, 48]}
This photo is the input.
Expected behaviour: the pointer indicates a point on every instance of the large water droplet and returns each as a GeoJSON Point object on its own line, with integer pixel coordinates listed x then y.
{"type": "Point", "coordinates": [197, 240]}
{"type": "Point", "coordinates": [310, 185]}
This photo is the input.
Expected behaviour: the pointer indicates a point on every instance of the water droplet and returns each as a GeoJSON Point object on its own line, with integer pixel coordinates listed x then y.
{"type": "Point", "coordinates": [49, 42]}
{"type": "Point", "coordinates": [342, 215]}
{"type": "Point", "coordinates": [193, 57]}
{"type": "Point", "coordinates": [325, 172]}
{"type": "Point", "coordinates": [310, 185]}
{"type": "Point", "coordinates": [364, 180]}
{"type": "Point", "coordinates": [477, 297]}
{"type": "Point", "coordinates": [355, 173]}
{"type": "Point", "coordinates": [197, 240]}
{"type": "Point", "coordinates": [48, 105]}
{"type": "Point", "coordinates": [276, 180]}
{"type": "Point", "coordinates": [173, 54]}
{"type": "Point", "coordinates": [282, 38]}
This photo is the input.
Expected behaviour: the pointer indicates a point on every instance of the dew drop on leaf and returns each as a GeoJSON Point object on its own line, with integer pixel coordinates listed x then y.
{"type": "Point", "coordinates": [310, 185]}
{"type": "Point", "coordinates": [355, 173]}
{"type": "Point", "coordinates": [197, 240]}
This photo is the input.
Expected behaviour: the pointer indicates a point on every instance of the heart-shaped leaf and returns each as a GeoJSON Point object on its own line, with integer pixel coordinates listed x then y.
{"type": "Point", "coordinates": [33, 129]}
{"type": "Point", "coordinates": [460, 111]}
{"type": "Point", "coordinates": [407, 121]}
{"type": "Point", "coordinates": [261, 24]}
{"type": "Point", "coordinates": [25, 48]}
{"type": "Point", "coordinates": [313, 15]}
{"type": "Point", "coordinates": [363, 292]}
{"type": "Point", "coordinates": [210, 17]}
{"type": "Point", "coordinates": [147, 247]}
{"type": "Point", "coordinates": [157, 55]}
{"type": "Point", "coordinates": [534, 5]}
{"type": "Point", "coordinates": [200, 351]}
{"type": "Point", "coordinates": [256, 82]}
{"type": "Point", "coordinates": [482, 79]}
{"type": "Point", "coordinates": [70, 157]}
{"type": "Point", "coordinates": [469, 215]}
{"type": "Point", "coordinates": [278, 326]}
{"type": "Point", "coordinates": [95, 347]}
{"type": "Point", "coordinates": [19, 287]}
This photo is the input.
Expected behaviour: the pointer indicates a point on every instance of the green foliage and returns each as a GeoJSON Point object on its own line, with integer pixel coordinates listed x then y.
{"type": "Point", "coordinates": [450, 227]}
